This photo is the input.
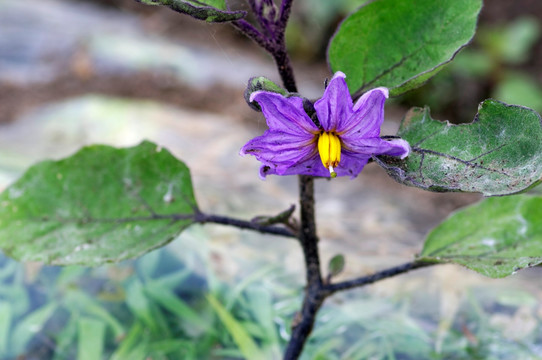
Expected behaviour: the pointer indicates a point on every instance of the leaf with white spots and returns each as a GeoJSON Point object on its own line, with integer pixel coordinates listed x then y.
{"type": "Point", "coordinates": [100, 205]}
{"type": "Point", "coordinates": [499, 153]}
{"type": "Point", "coordinates": [496, 237]}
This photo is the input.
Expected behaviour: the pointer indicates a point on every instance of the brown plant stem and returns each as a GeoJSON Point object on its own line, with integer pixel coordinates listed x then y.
{"type": "Point", "coordinates": [243, 224]}
{"type": "Point", "coordinates": [315, 293]}
{"type": "Point", "coordinates": [380, 275]}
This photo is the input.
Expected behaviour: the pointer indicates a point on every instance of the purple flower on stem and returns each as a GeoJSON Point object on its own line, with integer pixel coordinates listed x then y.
{"type": "Point", "coordinates": [348, 134]}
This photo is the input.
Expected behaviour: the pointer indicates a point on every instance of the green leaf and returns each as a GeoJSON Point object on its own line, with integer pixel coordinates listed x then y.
{"type": "Point", "coordinates": [167, 299]}
{"type": "Point", "coordinates": [495, 237]}
{"type": "Point", "coordinates": [79, 301]}
{"type": "Point", "coordinates": [177, 349]}
{"type": "Point", "coordinates": [499, 153]}
{"type": "Point", "coordinates": [90, 339]}
{"type": "Point", "coordinates": [513, 42]}
{"type": "Point", "coordinates": [66, 337]}
{"type": "Point", "coordinates": [142, 307]}
{"type": "Point", "coordinates": [31, 325]}
{"type": "Point", "coordinates": [246, 344]}
{"type": "Point", "coordinates": [100, 205]}
{"type": "Point", "coordinates": [396, 44]}
{"type": "Point", "coordinates": [208, 10]}
{"type": "Point", "coordinates": [5, 325]}
{"type": "Point", "coordinates": [132, 346]}
{"type": "Point", "coordinates": [517, 88]}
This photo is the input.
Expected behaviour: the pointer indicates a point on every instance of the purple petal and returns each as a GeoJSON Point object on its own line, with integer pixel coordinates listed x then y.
{"type": "Point", "coordinates": [280, 150]}
{"type": "Point", "coordinates": [335, 104]}
{"type": "Point", "coordinates": [377, 146]}
{"type": "Point", "coordinates": [284, 114]}
{"type": "Point", "coordinates": [311, 166]}
{"type": "Point", "coordinates": [399, 147]}
{"type": "Point", "coordinates": [351, 164]}
{"type": "Point", "coordinates": [367, 117]}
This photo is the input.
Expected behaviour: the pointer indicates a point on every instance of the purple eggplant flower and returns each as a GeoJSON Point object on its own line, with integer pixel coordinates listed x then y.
{"type": "Point", "coordinates": [347, 135]}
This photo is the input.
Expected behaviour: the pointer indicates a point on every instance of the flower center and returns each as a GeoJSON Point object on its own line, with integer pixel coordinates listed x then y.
{"type": "Point", "coordinates": [329, 147]}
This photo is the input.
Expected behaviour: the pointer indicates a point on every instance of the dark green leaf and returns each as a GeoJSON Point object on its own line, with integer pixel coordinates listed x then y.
{"type": "Point", "coordinates": [399, 45]}
{"type": "Point", "coordinates": [208, 10]}
{"type": "Point", "coordinates": [495, 237]}
{"type": "Point", "coordinates": [100, 205]}
{"type": "Point", "coordinates": [499, 153]}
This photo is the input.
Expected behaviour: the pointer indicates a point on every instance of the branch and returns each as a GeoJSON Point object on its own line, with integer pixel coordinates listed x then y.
{"type": "Point", "coordinates": [274, 43]}
{"type": "Point", "coordinates": [197, 217]}
{"type": "Point", "coordinates": [285, 10]}
{"type": "Point", "coordinates": [307, 233]}
{"type": "Point", "coordinates": [284, 67]}
{"type": "Point", "coordinates": [315, 293]}
{"type": "Point", "coordinates": [383, 274]}
{"type": "Point", "coordinates": [280, 54]}
{"type": "Point", "coordinates": [243, 224]}
{"type": "Point", "coordinates": [252, 33]}
{"type": "Point", "coordinates": [304, 322]}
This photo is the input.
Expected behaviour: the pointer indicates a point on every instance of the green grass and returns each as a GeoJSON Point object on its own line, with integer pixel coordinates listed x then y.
{"type": "Point", "coordinates": [168, 305]}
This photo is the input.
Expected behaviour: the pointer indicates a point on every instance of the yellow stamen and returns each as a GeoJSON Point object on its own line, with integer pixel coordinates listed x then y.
{"type": "Point", "coordinates": [323, 148]}
{"type": "Point", "coordinates": [334, 149]}
{"type": "Point", "coordinates": [329, 147]}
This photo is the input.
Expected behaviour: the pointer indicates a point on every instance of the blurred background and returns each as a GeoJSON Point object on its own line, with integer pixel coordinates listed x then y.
{"type": "Point", "coordinates": [116, 72]}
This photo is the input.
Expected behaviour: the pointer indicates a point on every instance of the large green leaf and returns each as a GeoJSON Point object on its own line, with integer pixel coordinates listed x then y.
{"type": "Point", "coordinates": [499, 153]}
{"type": "Point", "coordinates": [495, 237]}
{"type": "Point", "coordinates": [100, 205]}
{"type": "Point", "coordinates": [208, 10]}
{"type": "Point", "coordinates": [400, 44]}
